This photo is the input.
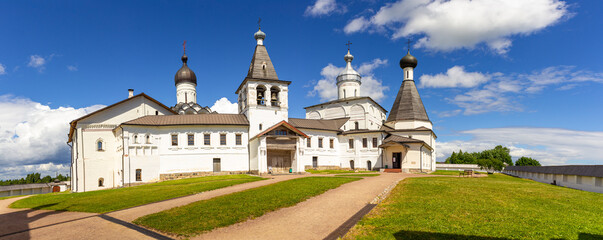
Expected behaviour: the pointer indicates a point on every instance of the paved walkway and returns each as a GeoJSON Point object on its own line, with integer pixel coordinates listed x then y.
{"type": "Point", "coordinates": [315, 218]}
{"type": "Point", "coordinates": [47, 224]}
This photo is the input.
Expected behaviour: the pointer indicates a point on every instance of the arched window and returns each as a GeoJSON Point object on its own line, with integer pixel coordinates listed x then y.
{"type": "Point", "coordinates": [274, 96]}
{"type": "Point", "coordinates": [100, 145]}
{"type": "Point", "coordinates": [261, 98]}
{"type": "Point", "coordinates": [344, 93]}
{"type": "Point", "coordinates": [355, 92]}
{"type": "Point", "coordinates": [148, 138]}
{"type": "Point", "coordinates": [356, 125]}
{"type": "Point", "coordinates": [101, 182]}
{"type": "Point", "coordinates": [135, 138]}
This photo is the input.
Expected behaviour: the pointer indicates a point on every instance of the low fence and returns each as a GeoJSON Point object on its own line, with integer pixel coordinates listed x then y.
{"type": "Point", "coordinates": [583, 177]}
{"type": "Point", "coordinates": [457, 167]}
{"type": "Point", "coordinates": [33, 188]}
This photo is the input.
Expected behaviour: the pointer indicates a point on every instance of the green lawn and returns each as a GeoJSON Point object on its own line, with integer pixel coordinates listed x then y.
{"type": "Point", "coordinates": [497, 207]}
{"type": "Point", "coordinates": [358, 175]}
{"type": "Point", "coordinates": [446, 172]}
{"type": "Point", "coordinates": [198, 217]}
{"type": "Point", "coordinates": [103, 201]}
{"type": "Point", "coordinates": [335, 171]}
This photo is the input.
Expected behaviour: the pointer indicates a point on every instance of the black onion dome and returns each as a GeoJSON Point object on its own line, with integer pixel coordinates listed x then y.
{"type": "Point", "coordinates": [408, 61]}
{"type": "Point", "coordinates": [185, 74]}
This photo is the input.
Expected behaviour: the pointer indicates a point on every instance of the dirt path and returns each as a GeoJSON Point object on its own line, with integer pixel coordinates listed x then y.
{"type": "Point", "coordinates": [47, 224]}
{"type": "Point", "coordinates": [316, 218]}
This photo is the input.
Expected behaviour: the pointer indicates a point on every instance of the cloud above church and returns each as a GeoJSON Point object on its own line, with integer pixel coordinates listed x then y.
{"type": "Point", "coordinates": [33, 134]}
{"type": "Point", "coordinates": [326, 88]}
{"type": "Point", "coordinates": [498, 92]}
{"type": "Point", "coordinates": [324, 8]}
{"type": "Point", "coordinates": [438, 25]}
{"type": "Point", "coordinates": [223, 105]}
{"type": "Point", "coordinates": [2, 69]}
{"type": "Point", "coordinates": [550, 146]}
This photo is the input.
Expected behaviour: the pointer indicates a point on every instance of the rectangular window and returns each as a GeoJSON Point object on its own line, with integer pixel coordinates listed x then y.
{"type": "Point", "coordinates": [222, 138]}
{"type": "Point", "coordinates": [351, 143]}
{"type": "Point", "coordinates": [280, 132]}
{"type": "Point", "coordinates": [374, 142]}
{"type": "Point", "coordinates": [598, 182]}
{"type": "Point", "coordinates": [138, 174]}
{"type": "Point", "coordinates": [309, 142]}
{"type": "Point", "coordinates": [364, 142]}
{"type": "Point", "coordinates": [320, 143]}
{"type": "Point", "coordinates": [239, 139]}
{"type": "Point", "coordinates": [174, 139]}
{"type": "Point", "coordinates": [191, 139]}
{"type": "Point", "coordinates": [207, 139]}
{"type": "Point", "coordinates": [331, 143]}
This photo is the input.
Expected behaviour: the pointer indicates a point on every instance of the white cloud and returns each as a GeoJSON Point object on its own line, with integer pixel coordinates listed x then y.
{"type": "Point", "coordinates": [35, 61]}
{"type": "Point", "coordinates": [324, 7]}
{"type": "Point", "coordinates": [32, 133]}
{"type": "Point", "coordinates": [2, 69]}
{"type": "Point", "coordinates": [550, 146]}
{"type": "Point", "coordinates": [223, 105]}
{"type": "Point", "coordinates": [498, 92]}
{"type": "Point", "coordinates": [454, 77]}
{"type": "Point", "coordinates": [50, 169]}
{"type": "Point", "coordinates": [326, 88]}
{"type": "Point", "coordinates": [453, 24]}
{"type": "Point", "coordinates": [72, 68]}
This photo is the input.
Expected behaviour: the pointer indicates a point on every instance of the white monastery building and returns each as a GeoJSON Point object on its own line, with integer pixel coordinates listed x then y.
{"type": "Point", "coordinates": [140, 140]}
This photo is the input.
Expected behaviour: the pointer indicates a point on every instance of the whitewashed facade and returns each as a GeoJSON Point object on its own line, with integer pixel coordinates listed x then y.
{"type": "Point", "coordinates": [140, 140]}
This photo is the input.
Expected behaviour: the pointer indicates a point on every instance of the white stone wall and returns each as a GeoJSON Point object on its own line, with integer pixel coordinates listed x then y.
{"type": "Point", "coordinates": [366, 113]}
{"type": "Point", "coordinates": [586, 183]}
{"type": "Point", "coordinates": [186, 92]}
{"type": "Point", "coordinates": [359, 154]}
{"type": "Point", "coordinates": [266, 115]}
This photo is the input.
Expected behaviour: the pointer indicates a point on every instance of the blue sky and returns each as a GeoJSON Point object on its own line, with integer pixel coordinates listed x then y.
{"type": "Point", "coordinates": [524, 74]}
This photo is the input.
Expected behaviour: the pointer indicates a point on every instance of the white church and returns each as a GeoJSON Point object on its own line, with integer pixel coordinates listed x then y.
{"type": "Point", "coordinates": [140, 140]}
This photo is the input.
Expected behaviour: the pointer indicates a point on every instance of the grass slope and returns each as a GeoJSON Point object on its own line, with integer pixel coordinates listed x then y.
{"type": "Point", "coordinates": [335, 171]}
{"type": "Point", "coordinates": [358, 175]}
{"type": "Point", "coordinates": [103, 201]}
{"type": "Point", "coordinates": [497, 207]}
{"type": "Point", "coordinates": [2, 198]}
{"type": "Point", "coordinates": [206, 215]}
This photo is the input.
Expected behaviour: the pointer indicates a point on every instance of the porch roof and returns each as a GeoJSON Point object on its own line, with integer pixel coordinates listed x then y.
{"type": "Point", "coordinates": [284, 124]}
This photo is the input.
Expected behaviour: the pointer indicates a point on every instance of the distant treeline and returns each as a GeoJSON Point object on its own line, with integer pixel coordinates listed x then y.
{"type": "Point", "coordinates": [33, 178]}
{"type": "Point", "coordinates": [491, 159]}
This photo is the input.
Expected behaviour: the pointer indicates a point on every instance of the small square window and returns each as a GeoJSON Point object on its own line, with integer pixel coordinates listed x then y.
{"type": "Point", "coordinates": [207, 139]}
{"type": "Point", "coordinates": [191, 139]}
{"type": "Point", "coordinates": [174, 139]}
{"type": "Point", "coordinates": [223, 139]}
{"type": "Point", "coordinates": [239, 139]}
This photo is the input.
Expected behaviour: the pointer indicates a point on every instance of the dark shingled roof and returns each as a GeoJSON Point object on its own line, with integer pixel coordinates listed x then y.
{"type": "Point", "coordinates": [197, 119]}
{"type": "Point", "coordinates": [319, 124]}
{"type": "Point", "coordinates": [408, 104]}
{"type": "Point", "coordinates": [400, 139]}
{"type": "Point", "coordinates": [256, 69]}
{"type": "Point", "coordinates": [580, 170]}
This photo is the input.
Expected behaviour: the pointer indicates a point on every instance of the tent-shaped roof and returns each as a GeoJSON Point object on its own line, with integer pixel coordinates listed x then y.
{"type": "Point", "coordinates": [408, 104]}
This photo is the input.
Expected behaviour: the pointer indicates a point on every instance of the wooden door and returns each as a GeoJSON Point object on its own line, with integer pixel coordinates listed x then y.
{"type": "Point", "coordinates": [217, 165]}
{"type": "Point", "coordinates": [396, 160]}
{"type": "Point", "coordinates": [314, 162]}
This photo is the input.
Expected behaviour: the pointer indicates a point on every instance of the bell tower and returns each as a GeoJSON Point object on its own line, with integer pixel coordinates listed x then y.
{"type": "Point", "coordinates": [262, 96]}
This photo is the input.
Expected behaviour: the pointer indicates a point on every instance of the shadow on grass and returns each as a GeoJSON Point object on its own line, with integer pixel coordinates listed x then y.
{"type": "Point", "coordinates": [429, 235]}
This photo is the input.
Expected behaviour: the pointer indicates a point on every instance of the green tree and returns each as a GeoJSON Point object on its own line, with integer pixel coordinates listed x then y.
{"type": "Point", "coordinates": [490, 164]}
{"type": "Point", "coordinates": [499, 152]}
{"type": "Point", "coordinates": [526, 161]}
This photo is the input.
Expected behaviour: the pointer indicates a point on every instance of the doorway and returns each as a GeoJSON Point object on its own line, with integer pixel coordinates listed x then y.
{"type": "Point", "coordinates": [396, 159]}
{"type": "Point", "coordinates": [314, 162]}
{"type": "Point", "coordinates": [217, 165]}
{"type": "Point", "coordinates": [279, 160]}
{"type": "Point", "coordinates": [369, 165]}
{"type": "Point", "coordinates": [352, 164]}
{"type": "Point", "coordinates": [56, 189]}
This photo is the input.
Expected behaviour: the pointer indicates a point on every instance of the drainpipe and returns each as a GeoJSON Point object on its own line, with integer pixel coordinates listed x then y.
{"type": "Point", "coordinates": [421, 152]}
{"type": "Point", "coordinates": [123, 152]}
